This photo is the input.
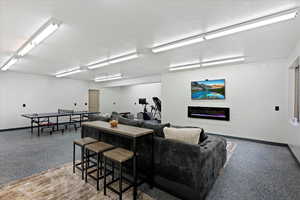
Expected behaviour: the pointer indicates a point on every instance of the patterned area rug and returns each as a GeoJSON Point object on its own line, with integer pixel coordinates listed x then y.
{"type": "Point", "coordinates": [231, 146]}
{"type": "Point", "coordinates": [60, 184]}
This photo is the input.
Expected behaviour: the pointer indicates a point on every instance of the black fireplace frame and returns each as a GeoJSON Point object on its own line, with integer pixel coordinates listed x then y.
{"type": "Point", "coordinates": [205, 112]}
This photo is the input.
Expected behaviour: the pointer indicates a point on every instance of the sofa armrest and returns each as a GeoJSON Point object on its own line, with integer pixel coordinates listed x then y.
{"type": "Point", "coordinates": [196, 166]}
{"type": "Point", "coordinates": [176, 160]}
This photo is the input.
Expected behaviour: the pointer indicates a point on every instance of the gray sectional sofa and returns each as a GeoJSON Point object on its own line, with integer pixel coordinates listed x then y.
{"type": "Point", "coordinates": [184, 170]}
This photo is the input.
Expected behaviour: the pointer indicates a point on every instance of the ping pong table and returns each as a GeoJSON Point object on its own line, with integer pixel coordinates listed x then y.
{"type": "Point", "coordinates": [43, 120]}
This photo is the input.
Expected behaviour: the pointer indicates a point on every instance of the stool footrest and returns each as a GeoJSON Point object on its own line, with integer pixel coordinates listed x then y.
{"type": "Point", "coordinates": [117, 179]}
{"type": "Point", "coordinates": [100, 177]}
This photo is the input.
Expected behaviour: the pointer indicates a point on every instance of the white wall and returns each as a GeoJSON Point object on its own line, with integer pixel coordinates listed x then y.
{"type": "Point", "coordinates": [252, 92]}
{"type": "Point", "coordinates": [40, 94]}
{"type": "Point", "coordinates": [109, 99]}
{"type": "Point", "coordinates": [130, 96]}
{"type": "Point", "coordinates": [125, 98]}
{"type": "Point", "coordinates": [293, 131]}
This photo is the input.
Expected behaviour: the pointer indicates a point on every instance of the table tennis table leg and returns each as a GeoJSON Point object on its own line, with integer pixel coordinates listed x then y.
{"type": "Point", "coordinates": [57, 123]}
{"type": "Point", "coordinates": [80, 119]}
{"type": "Point", "coordinates": [38, 127]}
{"type": "Point", "coordinates": [31, 126]}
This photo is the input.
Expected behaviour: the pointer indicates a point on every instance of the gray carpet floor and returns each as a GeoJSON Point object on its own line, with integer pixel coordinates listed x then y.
{"type": "Point", "coordinates": [255, 171]}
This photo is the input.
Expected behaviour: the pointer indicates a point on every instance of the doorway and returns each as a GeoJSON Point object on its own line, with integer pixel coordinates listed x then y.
{"type": "Point", "coordinates": [94, 100]}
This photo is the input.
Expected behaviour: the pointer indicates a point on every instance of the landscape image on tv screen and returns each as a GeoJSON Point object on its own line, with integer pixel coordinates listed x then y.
{"type": "Point", "coordinates": [208, 89]}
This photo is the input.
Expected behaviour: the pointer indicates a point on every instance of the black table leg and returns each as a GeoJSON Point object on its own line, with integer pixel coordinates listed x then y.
{"type": "Point", "coordinates": [57, 123]}
{"type": "Point", "coordinates": [31, 126]}
{"type": "Point", "coordinates": [80, 120]}
{"type": "Point", "coordinates": [38, 126]}
{"type": "Point", "coordinates": [134, 170]}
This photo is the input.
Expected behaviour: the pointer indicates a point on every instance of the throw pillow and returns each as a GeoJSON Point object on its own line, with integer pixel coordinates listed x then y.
{"type": "Point", "coordinates": [203, 135]}
{"type": "Point", "coordinates": [187, 135]}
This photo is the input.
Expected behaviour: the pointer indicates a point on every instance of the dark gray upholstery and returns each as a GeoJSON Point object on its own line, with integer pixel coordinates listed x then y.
{"type": "Point", "coordinates": [114, 115]}
{"type": "Point", "coordinates": [130, 122]}
{"type": "Point", "coordinates": [99, 117]}
{"type": "Point", "coordinates": [190, 169]}
{"type": "Point", "coordinates": [185, 170]}
{"type": "Point", "coordinates": [158, 128]}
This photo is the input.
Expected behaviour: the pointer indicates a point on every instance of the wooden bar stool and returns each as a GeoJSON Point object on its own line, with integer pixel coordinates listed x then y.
{"type": "Point", "coordinates": [81, 143]}
{"type": "Point", "coordinates": [119, 156]}
{"type": "Point", "coordinates": [97, 150]}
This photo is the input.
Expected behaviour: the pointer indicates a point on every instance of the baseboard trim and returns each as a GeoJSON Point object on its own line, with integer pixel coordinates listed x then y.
{"type": "Point", "coordinates": [293, 154]}
{"type": "Point", "coordinates": [28, 127]}
{"type": "Point", "coordinates": [251, 140]}
{"type": "Point", "coordinates": [14, 129]}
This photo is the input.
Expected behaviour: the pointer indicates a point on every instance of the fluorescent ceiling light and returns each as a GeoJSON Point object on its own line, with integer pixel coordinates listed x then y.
{"type": "Point", "coordinates": [97, 65]}
{"type": "Point", "coordinates": [178, 43]}
{"type": "Point", "coordinates": [123, 58]}
{"type": "Point", "coordinates": [262, 21]}
{"type": "Point", "coordinates": [207, 63]}
{"type": "Point", "coordinates": [108, 78]}
{"type": "Point", "coordinates": [24, 50]}
{"type": "Point", "coordinates": [45, 31]}
{"type": "Point", "coordinates": [9, 63]}
{"type": "Point", "coordinates": [51, 28]}
{"type": "Point", "coordinates": [222, 61]}
{"type": "Point", "coordinates": [113, 60]}
{"type": "Point", "coordinates": [186, 66]}
{"type": "Point", "coordinates": [68, 72]}
{"type": "Point", "coordinates": [251, 24]}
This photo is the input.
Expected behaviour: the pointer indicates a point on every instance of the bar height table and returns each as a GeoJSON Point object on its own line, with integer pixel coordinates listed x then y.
{"type": "Point", "coordinates": [131, 132]}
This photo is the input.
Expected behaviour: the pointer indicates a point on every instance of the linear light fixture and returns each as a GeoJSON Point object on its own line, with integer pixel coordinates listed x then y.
{"type": "Point", "coordinates": [178, 43]}
{"type": "Point", "coordinates": [251, 24]}
{"type": "Point", "coordinates": [68, 72]}
{"type": "Point", "coordinates": [108, 77]}
{"type": "Point", "coordinates": [222, 61]}
{"type": "Point", "coordinates": [25, 49]}
{"type": "Point", "coordinates": [186, 66]}
{"type": "Point", "coordinates": [207, 63]}
{"type": "Point", "coordinates": [113, 60]}
{"type": "Point", "coordinates": [247, 25]}
{"type": "Point", "coordinates": [44, 32]}
{"type": "Point", "coordinates": [9, 63]}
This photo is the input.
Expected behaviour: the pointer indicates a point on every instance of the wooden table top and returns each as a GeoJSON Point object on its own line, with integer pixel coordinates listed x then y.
{"type": "Point", "coordinates": [130, 131]}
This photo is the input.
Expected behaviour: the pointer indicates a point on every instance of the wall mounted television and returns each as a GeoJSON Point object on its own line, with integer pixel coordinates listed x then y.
{"type": "Point", "coordinates": [208, 89]}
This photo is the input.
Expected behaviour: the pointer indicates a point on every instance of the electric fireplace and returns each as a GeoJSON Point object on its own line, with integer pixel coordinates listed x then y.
{"type": "Point", "coordinates": [217, 113]}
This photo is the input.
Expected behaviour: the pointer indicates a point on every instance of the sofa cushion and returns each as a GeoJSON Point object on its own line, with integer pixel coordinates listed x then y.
{"type": "Point", "coordinates": [158, 128]}
{"type": "Point", "coordinates": [130, 122]}
{"type": "Point", "coordinates": [187, 135]}
{"type": "Point", "coordinates": [203, 135]}
{"type": "Point", "coordinates": [99, 117]}
{"type": "Point", "coordinates": [114, 115]}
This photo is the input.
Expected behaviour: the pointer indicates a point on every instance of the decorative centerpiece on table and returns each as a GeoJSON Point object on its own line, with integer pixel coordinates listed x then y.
{"type": "Point", "coordinates": [113, 123]}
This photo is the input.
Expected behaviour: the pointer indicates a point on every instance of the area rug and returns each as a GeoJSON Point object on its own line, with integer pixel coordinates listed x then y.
{"type": "Point", "coordinates": [231, 146]}
{"type": "Point", "coordinates": [60, 184]}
